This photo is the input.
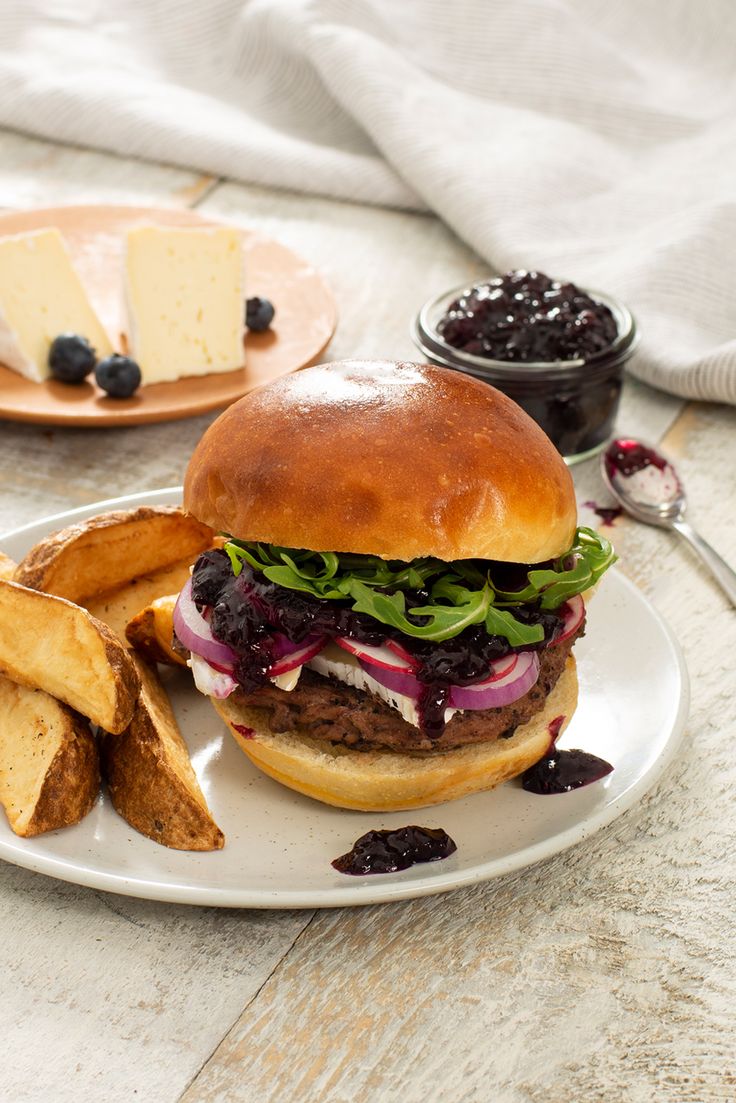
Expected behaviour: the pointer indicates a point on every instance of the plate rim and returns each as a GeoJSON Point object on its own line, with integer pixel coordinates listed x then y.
{"type": "Point", "coordinates": [366, 891]}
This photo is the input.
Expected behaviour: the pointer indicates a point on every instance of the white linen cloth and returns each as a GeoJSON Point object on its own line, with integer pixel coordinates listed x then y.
{"type": "Point", "coordinates": [590, 139]}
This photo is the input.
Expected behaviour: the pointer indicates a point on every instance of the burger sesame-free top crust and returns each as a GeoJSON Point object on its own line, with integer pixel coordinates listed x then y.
{"type": "Point", "coordinates": [381, 458]}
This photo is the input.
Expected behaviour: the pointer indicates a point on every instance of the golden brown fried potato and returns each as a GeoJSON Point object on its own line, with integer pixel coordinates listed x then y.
{"type": "Point", "coordinates": [151, 632]}
{"type": "Point", "coordinates": [106, 552]}
{"type": "Point", "coordinates": [7, 566]}
{"type": "Point", "coordinates": [51, 644]}
{"type": "Point", "coordinates": [49, 764]}
{"type": "Point", "coordinates": [150, 777]}
{"type": "Point", "coordinates": [116, 609]}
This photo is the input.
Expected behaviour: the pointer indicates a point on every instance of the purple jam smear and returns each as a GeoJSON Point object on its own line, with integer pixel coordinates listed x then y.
{"type": "Point", "coordinates": [608, 514]}
{"type": "Point", "coordinates": [391, 850]}
{"type": "Point", "coordinates": [626, 457]}
{"type": "Point", "coordinates": [562, 771]}
{"type": "Point", "coordinates": [526, 316]}
{"type": "Point", "coordinates": [244, 730]}
{"type": "Point", "coordinates": [247, 610]}
{"type": "Point", "coordinates": [555, 727]}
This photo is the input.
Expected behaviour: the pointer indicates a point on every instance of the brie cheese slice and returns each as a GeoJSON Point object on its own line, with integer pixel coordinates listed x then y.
{"type": "Point", "coordinates": [185, 300]}
{"type": "Point", "coordinates": [41, 297]}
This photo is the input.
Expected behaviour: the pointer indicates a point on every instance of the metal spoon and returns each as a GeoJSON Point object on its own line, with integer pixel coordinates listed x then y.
{"type": "Point", "coordinates": [648, 487]}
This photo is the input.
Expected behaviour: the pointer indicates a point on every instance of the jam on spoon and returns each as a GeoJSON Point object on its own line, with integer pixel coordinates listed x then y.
{"type": "Point", "coordinates": [649, 489]}
{"type": "Point", "coordinates": [627, 457]}
{"type": "Point", "coordinates": [398, 848]}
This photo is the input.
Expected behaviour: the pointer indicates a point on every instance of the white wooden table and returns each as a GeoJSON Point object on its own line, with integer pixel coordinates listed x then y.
{"type": "Point", "coordinates": [606, 973]}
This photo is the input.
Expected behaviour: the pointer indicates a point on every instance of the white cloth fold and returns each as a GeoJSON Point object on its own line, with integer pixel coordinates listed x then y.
{"type": "Point", "coordinates": [594, 141]}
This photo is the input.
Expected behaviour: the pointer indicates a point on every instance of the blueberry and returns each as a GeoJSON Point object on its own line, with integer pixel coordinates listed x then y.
{"type": "Point", "coordinates": [118, 375]}
{"type": "Point", "coordinates": [258, 314]}
{"type": "Point", "coordinates": [71, 358]}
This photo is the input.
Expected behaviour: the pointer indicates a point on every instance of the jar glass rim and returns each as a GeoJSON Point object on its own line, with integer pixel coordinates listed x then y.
{"type": "Point", "coordinates": [428, 340]}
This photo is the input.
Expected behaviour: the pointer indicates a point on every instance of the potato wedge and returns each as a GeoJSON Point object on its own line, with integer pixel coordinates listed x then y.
{"type": "Point", "coordinates": [49, 764]}
{"type": "Point", "coordinates": [150, 777]}
{"type": "Point", "coordinates": [7, 566]}
{"type": "Point", "coordinates": [116, 609]}
{"type": "Point", "coordinates": [103, 553]}
{"type": "Point", "coordinates": [49, 643]}
{"type": "Point", "coordinates": [151, 632]}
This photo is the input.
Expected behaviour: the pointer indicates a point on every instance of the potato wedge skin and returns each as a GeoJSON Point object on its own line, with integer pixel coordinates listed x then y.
{"type": "Point", "coordinates": [150, 778]}
{"type": "Point", "coordinates": [49, 762]}
{"type": "Point", "coordinates": [105, 552]}
{"type": "Point", "coordinates": [51, 644]}
{"type": "Point", "coordinates": [151, 632]}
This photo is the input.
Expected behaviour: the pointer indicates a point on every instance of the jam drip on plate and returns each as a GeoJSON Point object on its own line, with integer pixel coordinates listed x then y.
{"type": "Point", "coordinates": [391, 850]}
{"type": "Point", "coordinates": [562, 771]}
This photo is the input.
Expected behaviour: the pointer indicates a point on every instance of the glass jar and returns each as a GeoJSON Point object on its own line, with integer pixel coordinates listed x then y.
{"type": "Point", "coordinates": [574, 401]}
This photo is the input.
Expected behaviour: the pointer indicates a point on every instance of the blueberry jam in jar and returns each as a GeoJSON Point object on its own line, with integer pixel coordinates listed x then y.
{"type": "Point", "coordinates": [554, 348]}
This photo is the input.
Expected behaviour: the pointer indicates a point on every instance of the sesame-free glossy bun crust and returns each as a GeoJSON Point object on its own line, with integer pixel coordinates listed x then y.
{"type": "Point", "coordinates": [392, 459]}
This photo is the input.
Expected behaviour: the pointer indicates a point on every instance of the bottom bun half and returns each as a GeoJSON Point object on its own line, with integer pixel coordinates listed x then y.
{"type": "Point", "coordinates": [385, 781]}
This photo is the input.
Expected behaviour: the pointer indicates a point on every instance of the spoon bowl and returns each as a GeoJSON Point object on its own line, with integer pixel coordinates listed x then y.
{"type": "Point", "coordinates": [647, 486]}
{"type": "Point", "coordinates": [645, 483]}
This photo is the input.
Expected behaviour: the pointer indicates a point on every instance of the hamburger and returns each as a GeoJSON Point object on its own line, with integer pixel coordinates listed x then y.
{"type": "Point", "coordinates": [389, 623]}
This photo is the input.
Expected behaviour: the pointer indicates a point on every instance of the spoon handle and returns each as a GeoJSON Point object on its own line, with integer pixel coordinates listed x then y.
{"type": "Point", "coordinates": [724, 575]}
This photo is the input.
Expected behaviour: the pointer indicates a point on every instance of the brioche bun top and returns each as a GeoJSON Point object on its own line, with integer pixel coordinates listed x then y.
{"type": "Point", "coordinates": [398, 460]}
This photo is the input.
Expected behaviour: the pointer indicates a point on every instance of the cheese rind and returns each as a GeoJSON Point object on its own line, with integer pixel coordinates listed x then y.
{"type": "Point", "coordinates": [185, 301]}
{"type": "Point", "coordinates": [41, 296]}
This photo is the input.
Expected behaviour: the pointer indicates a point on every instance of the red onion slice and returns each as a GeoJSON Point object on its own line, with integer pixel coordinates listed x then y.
{"type": "Point", "coordinates": [495, 692]}
{"type": "Point", "coordinates": [573, 612]}
{"type": "Point", "coordinates": [402, 682]}
{"type": "Point", "coordinates": [193, 631]}
{"type": "Point", "coordinates": [302, 654]}
{"type": "Point", "coordinates": [501, 667]}
{"type": "Point", "coordinates": [283, 646]}
{"type": "Point", "coordinates": [511, 677]}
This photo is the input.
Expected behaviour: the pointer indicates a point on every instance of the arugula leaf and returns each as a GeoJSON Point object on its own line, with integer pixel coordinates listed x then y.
{"type": "Point", "coordinates": [442, 621]}
{"type": "Point", "coordinates": [462, 593]}
{"type": "Point", "coordinates": [500, 622]}
{"type": "Point", "coordinates": [578, 569]}
{"type": "Point", "coordinates": [307, 577]}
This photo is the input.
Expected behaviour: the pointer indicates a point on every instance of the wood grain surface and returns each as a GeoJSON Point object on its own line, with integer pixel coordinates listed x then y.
{"type": "Point", "coordinates": [606, 973]}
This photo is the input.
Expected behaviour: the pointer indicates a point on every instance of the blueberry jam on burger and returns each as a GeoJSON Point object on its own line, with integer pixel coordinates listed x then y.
{"type": "Point", "coordinates": [392, 614]}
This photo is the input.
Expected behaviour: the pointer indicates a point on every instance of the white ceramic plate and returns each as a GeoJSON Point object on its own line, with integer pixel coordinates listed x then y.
{"type": "Point", "coordinates": [279, 845]}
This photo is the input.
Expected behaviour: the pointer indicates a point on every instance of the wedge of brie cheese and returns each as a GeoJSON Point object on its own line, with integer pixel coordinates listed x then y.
{"type": "Point", "coordinates": [41, 296]}
{"type": "Point", "coordinates": [185, 301]}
